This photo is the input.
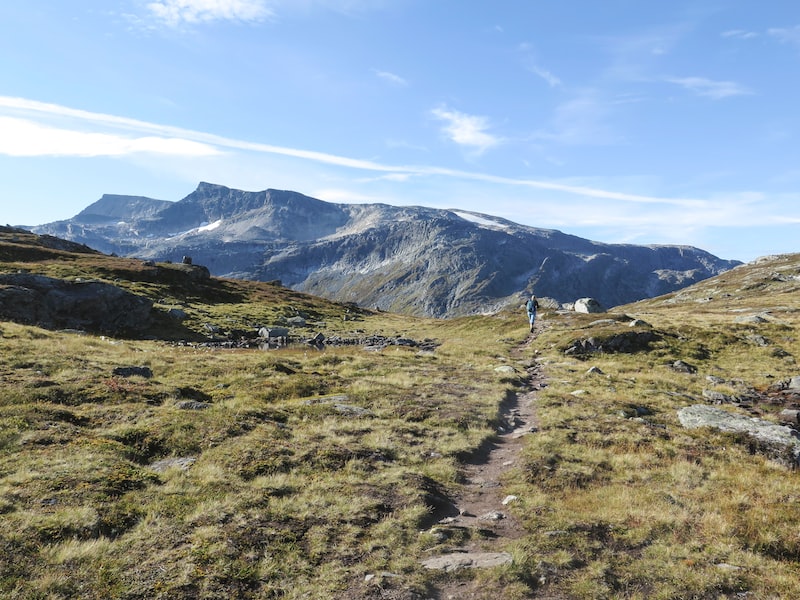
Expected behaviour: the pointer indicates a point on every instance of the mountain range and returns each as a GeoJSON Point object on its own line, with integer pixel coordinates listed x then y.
{"type": "Point", "coordinates": [407, 259]}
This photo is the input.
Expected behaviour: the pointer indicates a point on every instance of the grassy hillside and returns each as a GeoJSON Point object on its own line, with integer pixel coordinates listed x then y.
{"type": "Point", "coordinates": [206, 472]}
{"type": "Point", "coordinates": [620, 501]}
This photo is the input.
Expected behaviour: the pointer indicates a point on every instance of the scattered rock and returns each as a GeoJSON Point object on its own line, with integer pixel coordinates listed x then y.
{"type": "Point", "coordinates": [505, 369]}
{"type": "Point", "coordinates": [751, 319]}
{"type": "Point", "coordinates": [441, 533]}
{"type": "Point", "coordinates": [494, 515]}
{"type": "Point", "coordinates": [183, 463]}
{"type": "Point", "coordinates": [191, 405]}
{"type": "Point", "coordinates": [632, 411]}
{"type": "Point", "coordinates": [468, 560]}
{"type": "Point", "coordinates": [328, 399]}
{"type": "Point", "coordinates": [683, 367]}
{"type": "Point", "coordinates": [717, 397]}
{"type": "Point", "coordinates": [601, 322]}
{"type": "Point", "coordinates": [317, 340]}
{"type": "Point", "coordinates": [594, 371]}
{"type": "Point", "coordinates": [758, 340]}
{"type": "Point", "coordinates": [273, 332]}
{"type": "Point", "coordinates": [639, 323]}
{"type": "Point", "coordinates": [352, 411]}
{"type": "Point", "coordinates": [777, 442]}
{"type": "Point", "coordinates": [339, 404]}
{"type": "Point", "coordinates": [509, 499]}
{"type": "Point", "coordinates": [145, 372]}
{"type": "Point", "coordinates": [212, 329]}
{"type": "Point", "coordinates": [377, 577]}
{"type": "Point", "coordinates": [790, 416]}
{"type": "Point", "coordinates": [177, 314]}
{"type": "Point", "coordinates": [377, 343]}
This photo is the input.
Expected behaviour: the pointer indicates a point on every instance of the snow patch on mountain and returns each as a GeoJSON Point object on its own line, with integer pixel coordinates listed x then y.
{"type": "Point", "coordinates": [210, 226]}
{"type": "Point", "coordinates": [479, 220]}
{"type": "Point", "coordinates": [204, 227]}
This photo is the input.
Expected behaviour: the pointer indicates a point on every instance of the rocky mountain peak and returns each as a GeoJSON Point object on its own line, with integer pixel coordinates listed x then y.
{"type": "Point", "coordinates": [411, 259]}
{"type": "Point", "coordinates": [121, 208]}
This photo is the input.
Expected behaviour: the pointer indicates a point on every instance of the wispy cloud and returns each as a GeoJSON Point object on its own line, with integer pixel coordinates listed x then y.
{"type": "Point", "coordinates": [740, 34]}
{"type": "Point", "coordinates": [466, 130]}
{"type": "Point", "coordinates": [635, 57]}
{"type": "Point", "coordinates": [532, 65]}
{"type": "Point", "coordinates": [179, 12]}
{"type": "Point", "coordinates": [585, 119]}
{"type": "Point", "coordinates": [100, 134]}
{"type": "Point", "coordinates": [84, 119]}
{"type": "Point", "coordinates": [21, 137]}
{"type": "Point", "coordinates": [789, 35]}
{"type": "Point", "coordinates": [551, 79]}
{"type": "Point", "coordinates": [391, 78]}
{"type": "Point", "coordinates": [710, 88]}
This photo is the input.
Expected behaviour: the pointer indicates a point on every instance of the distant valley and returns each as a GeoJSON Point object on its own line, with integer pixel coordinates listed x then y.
{"type": "Point", "coordinates": [407, 259]}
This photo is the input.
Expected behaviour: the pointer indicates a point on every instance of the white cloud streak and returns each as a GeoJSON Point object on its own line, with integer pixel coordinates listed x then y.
{"type": "Point", "coordinates": [148, 137]}
{"type": "Point", "coordinates": [739, 34]}
{"type": "Point", "coordinates": [709, 88]}
{"type": "Point", "coordinates": [21, 137]}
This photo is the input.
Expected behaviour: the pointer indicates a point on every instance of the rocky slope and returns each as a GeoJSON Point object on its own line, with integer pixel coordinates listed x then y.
{"type": "Point", "coordinates": [415, 260]}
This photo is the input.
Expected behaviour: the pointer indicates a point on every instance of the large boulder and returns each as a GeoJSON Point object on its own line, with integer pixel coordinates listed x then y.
{"type": "Point", "coordinates": [626, 342]}
{"type": "Point", "coordinates": [778, 442]}
{"type": "Point", "coordinates": [588, 305]}
{"type": "Point", "coordinates": [59, 304]}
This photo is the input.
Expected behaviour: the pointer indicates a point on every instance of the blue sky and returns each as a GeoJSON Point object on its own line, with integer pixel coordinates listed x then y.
{"type": "Point", "coordinates": [620, 121]}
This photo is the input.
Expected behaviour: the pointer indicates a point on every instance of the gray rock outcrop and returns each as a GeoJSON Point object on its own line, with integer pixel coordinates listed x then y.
{"type": "Point", "coordinates": [778, 442]}
{"type": "Point", "coordinates": [85, 305]}
{"type": "Point", "coordinates": [625, 343]}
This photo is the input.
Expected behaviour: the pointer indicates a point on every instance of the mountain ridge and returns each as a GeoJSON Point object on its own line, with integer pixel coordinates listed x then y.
{"type": "Point", "coordinates": [412, 259]}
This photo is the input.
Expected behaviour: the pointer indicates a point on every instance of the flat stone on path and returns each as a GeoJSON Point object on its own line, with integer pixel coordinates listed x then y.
{"type": "Point", "coordinates": [467, 560]}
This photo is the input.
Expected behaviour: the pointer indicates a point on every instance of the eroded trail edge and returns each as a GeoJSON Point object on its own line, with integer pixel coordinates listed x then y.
{"type": "Point", "coordinates": [482, 515]}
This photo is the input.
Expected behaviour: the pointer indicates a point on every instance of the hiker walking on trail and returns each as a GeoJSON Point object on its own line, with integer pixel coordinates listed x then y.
{"type": "Point", "coordinates": [532, 306]}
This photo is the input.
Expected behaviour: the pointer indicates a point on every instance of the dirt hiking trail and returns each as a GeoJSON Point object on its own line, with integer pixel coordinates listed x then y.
{"type": "Point", "coordinates": [482, 505]}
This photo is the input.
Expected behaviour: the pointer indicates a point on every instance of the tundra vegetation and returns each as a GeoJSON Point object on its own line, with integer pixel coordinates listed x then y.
{"type": "Point", "coordinates": [204, 471]}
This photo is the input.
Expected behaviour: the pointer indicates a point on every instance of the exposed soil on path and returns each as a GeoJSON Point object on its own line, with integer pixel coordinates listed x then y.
{"type": "Point", "coordinates": [483, 505]}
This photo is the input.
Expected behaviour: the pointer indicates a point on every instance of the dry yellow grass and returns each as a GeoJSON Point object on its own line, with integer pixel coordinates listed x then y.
{"type": "Point", "coordinates": [308, 470]}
